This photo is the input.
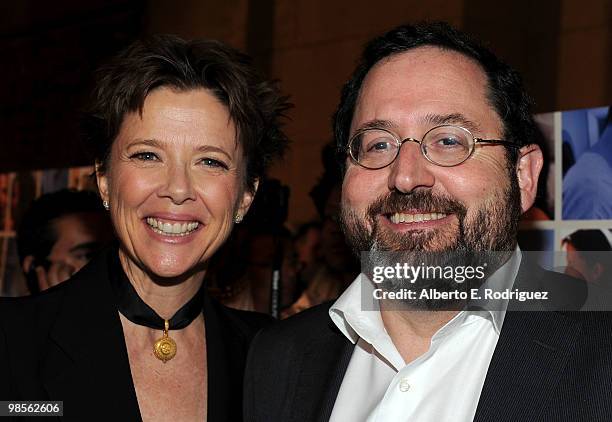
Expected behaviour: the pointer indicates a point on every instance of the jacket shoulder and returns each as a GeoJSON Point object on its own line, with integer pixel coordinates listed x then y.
{"type": "Point", "coordinates": [301, 328]}
{"type": "Point", "coordinates": [246, 323]}
{"type": "Point", "coordinates": [294, 361]}
{"type": "Point", "coordinates": [37, 308]}
{"type": "Point", "coordinates": [290, 337]}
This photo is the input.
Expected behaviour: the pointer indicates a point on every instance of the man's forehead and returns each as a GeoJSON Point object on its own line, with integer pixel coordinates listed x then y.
{"type": "Point", "coordinates": [421, 59]}
{"type": "Point", "coordinates": [436, 85]}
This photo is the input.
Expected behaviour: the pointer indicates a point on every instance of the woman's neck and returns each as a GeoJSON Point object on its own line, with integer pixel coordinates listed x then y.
{"type": "Point", "coordinates": [164, 296]}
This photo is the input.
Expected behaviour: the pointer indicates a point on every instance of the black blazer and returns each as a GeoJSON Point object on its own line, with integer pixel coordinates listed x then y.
{"type": "Point", "coordinates": [547, 366]}
{"type": "Point", "coordinates": [67, 344]}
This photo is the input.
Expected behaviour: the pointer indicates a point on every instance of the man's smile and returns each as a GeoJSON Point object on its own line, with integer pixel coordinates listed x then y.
{"type": "Point", "coordinates": [410, 217]}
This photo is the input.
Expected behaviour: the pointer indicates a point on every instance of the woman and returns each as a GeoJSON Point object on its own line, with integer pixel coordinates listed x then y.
{"type": "Point", "coordinates": [182, 133]}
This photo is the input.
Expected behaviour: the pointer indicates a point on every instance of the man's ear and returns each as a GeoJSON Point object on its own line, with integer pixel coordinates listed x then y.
{"type": "Point", "coordinates": [528, 170]}
{"type": "Point", "coordinates": [102, 181]}
{"type": "Point", "coordinates": [247, 199]}
{"type": "Point", "coordinates": [38, 272]}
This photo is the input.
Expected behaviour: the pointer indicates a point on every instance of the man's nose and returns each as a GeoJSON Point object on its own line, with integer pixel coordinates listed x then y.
{"type": "Point", "coordinates": [410, 170]}
{"type": "Point", "coordinates": [178, 186]}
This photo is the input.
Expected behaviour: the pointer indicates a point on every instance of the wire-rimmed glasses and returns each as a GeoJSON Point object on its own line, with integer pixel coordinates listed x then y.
{"type": "Point", "coordinates": [445, 145]}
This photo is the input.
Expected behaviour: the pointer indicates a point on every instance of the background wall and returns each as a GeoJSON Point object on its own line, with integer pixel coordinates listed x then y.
{"type": "Point", "coordinates": [48, 51]}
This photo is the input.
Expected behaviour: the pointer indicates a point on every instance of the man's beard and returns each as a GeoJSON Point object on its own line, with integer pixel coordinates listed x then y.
{"type": "Point", "coordinates": [486, 235]}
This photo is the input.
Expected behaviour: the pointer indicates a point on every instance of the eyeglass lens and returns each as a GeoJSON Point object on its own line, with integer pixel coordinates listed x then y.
{"type": "Point", "coordinates": [443, 145]}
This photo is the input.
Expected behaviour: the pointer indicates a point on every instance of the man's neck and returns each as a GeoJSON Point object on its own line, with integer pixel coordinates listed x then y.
{"type": "Point", "coordinates": [411, 331]}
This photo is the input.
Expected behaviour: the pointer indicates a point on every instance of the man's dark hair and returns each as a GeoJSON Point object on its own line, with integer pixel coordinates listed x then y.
{"type": "Point", "coordinates": [505, 90]}
{"type": "Point", "coordinates": [36, 234]}
{"type": "Point", "coordinates": [589, 240]}
{"type": "Point", "coordinates": [255, 105]}
{"type": "Point", "coordinates": [593, 247]}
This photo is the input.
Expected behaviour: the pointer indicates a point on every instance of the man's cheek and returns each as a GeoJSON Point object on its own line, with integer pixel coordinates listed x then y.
{"type": "Point", "coordinates": [351, 201]}
{"type": "Point", "coordinates": [359, 199]}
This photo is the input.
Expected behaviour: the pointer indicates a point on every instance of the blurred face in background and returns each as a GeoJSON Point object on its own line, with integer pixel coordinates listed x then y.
{"type": "Point", "coordinates": [579, 267]}
{"type": "Point", "coordinates": [307, 246]}
{"type": "Point", "coordinates": [78, 237]}
{"type": "Point", "coordinates": [333, 249]}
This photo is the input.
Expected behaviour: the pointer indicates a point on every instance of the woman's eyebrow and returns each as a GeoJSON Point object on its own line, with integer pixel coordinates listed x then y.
{"type": "Point", "coordinates": [212, 148]}
{"type": "Point", "coordinates": [145, 142]}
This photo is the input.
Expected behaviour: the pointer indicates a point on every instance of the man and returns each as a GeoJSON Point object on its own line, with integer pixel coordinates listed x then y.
{"type": "Point", "coordinates": [59, 234]}
{"type": "Point", "coordinates": [588, 253]}
{"type": "Point", "coordinates": [438, 133]}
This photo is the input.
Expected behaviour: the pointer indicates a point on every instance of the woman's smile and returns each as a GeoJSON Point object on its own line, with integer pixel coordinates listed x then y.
{"type": "Point", "coordinates": [170, 228]}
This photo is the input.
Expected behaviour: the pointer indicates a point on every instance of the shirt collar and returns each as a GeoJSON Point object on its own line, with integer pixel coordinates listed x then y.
{"type": "Point", "coordinates": [500, 281]}
{"type": "Point", "coordinates": [354, 322]}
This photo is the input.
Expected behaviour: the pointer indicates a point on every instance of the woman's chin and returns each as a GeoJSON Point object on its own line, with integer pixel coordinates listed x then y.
{"type": "Point", "coordinates": [172, 272]}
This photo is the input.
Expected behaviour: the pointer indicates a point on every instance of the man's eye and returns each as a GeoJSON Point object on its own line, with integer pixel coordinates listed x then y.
{"type": "Point", "coordinates": [83, 256]}
{"type": "Point", "coordinates": [449, 142]}
{"type": "Point", "coordinates": [378, 146]}
{"type": "Point", "coordinates": [145, 156]}
{"type": "Point", "coordinates": [211, 162]}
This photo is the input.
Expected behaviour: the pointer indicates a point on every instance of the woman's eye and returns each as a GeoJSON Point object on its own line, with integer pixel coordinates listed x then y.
{"type": "Point", "coordinates": [144, 156]}
{"type": "Point", "coordinates": [210, 162]}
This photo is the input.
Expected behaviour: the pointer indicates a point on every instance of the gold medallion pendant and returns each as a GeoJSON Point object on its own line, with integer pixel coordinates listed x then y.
{"type": "Point", "coordinates": [165, 348]}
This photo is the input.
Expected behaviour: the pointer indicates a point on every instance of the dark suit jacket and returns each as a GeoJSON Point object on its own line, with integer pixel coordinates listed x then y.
{"type": "Point", "coordinates": [67, 344]}
{"type": "Point", "coordinates": [547, 366]}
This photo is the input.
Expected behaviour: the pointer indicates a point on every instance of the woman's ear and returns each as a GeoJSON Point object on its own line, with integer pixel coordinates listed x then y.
{"type": "Point", "coordinates": [102, 181]}
{"type": "Point", "coordinates": [528, 170]}
{"type": "Point", "coordinates": [247, 199]}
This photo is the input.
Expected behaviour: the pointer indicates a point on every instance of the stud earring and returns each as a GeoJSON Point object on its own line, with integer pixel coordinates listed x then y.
{"type": "Point", "coordinates": [105, 204]}
{"type": "Point", "coordinates": [238, 219]}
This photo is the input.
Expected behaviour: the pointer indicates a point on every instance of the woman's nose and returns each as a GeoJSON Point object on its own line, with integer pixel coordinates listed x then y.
{"type": "Point", "coordinates": [178, 184]}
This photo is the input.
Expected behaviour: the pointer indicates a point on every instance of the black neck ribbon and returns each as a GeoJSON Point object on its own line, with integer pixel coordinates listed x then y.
{"type": "Point", "coordinates": [132, 307]}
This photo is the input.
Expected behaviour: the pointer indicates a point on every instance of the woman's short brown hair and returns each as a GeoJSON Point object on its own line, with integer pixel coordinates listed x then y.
{"type": "Point", "coordinates": [255, 105]}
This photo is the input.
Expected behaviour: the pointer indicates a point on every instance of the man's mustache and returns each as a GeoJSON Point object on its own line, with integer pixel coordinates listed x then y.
{"type": "Point", "coordinates": [422, 200]}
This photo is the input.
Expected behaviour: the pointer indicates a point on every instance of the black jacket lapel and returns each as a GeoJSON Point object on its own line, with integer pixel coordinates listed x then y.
{"type": "Point", "coordinates": [529, 358]}
{"type": "Point", "coordinates": [218, 365]}
{"type": "Point", "coordinates": [322, 371]}
{"type": "Point", "coordinates": [86, 362]}
{"type": "Point", "coordinates": [227, 341]}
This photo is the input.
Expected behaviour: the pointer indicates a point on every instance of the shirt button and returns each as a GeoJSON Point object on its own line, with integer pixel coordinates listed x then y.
{"type": "Point", "coordinates": [404, 385]}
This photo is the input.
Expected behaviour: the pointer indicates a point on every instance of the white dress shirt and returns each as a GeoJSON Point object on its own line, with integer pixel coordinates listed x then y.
{"type": "Point", "coordinates": [443, 384]}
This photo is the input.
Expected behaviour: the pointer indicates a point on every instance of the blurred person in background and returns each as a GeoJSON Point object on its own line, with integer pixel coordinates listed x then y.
{"type": "Point", "coordinates": [58, 234]}
{"type": "Point", "coordinates": [587, 185]}
{"type": "Point", "coordinates": [588, 255]}
{"type": "Point", "coordinates": [306, 241]}
{"type": "Point", "coordinates": [335, 267]}
{"type": "Point", "coordinates": [241, 275]}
